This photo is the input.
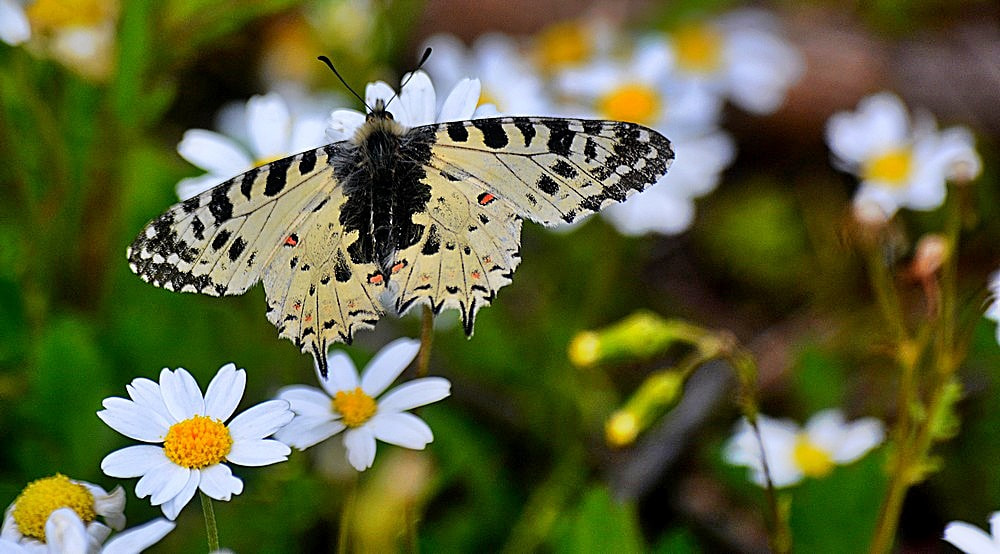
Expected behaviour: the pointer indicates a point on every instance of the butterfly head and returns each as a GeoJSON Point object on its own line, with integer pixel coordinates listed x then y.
{"type": "Point", "coordinates": [379, 111]}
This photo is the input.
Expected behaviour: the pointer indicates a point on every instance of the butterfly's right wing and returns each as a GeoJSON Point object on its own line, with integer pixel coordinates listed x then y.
{"type": "Point", "coordinates": [277, 223]}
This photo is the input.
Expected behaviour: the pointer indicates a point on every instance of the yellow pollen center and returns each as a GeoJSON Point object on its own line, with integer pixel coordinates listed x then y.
{"type": "Point", "coordinates": [42, 497]}
{"type": "Point", "coordinates": [486, 98]}
{"type": "Point", "coordinates": [698, 48]}
{"type": "Point", "coordinates": [891, 167]}
{"type": "Point", "coordinates": [261, 161]}
{"type": "Point", "coordinates": [563, 44]}
{"type": "Point", "coordinates": [54, 14]}
{"type": "Point", "coordinates": [354, 406]}
{"type": "Point", "coordinates": [197, 442]}
{"type": "Point", "coordinates": [632, 102]}
{"type": "Point", "coordinates": [811, 459]}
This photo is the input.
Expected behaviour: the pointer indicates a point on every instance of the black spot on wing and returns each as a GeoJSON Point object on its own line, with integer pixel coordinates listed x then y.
{"type": "Point", "coordinates": [527, 129]}
{"type": "Point", "coordinates": [493, 134]}
{"type": "Point", "coordinates": [457, 131]}
{"type": "Point", "coordinates": [191, 204]}
{"type": "Point", "coordinates": [220, 205]}
{"type": "Point", "coordinates": [307, 162]}
{"type": "Point", "coordinates": [560, 137]}
{"type": "Point", "coordinates": [198, 228]}
{"type": "Point", "coordinates": [246, 182]}
{"type": "Point", "coordinates": [221, 239]}
{"type": "Point", "coordinates": [236, 248]}
{"type": "Point", "coordinates": [433, 243]}
{"type": "Point", "coordinates": [563, 169]}
{"type": "Point", "coordinates": [341, 271]}
{"type": "Point", "coordinates": [547, 185]}
{"type": "Point", "coordinates": [592, 126]}
{"type": "Point", "coordinates": [277, 176]}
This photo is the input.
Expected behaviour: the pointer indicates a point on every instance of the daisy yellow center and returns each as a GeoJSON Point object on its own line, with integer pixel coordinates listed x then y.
{"type": "Point", "coordinates": [42, 497]}
{"type": "Point", "coordinates": [262, 161]}
{"type": "Point", "coordinates": [54, 14]}
{"type": "Point", "coordinates": [354, 406]}
{"type": "Point", "coordinates": [811, 459]}
{"type": "Point", "coordinates": [197, 442]}
{"type": "Point", "coordinates": [486, 98]}
{"type": "Point", "coordinates": [633, 102]}
{"type": "Point", "coordinates": [698, 48]}
{"type": "Point", "coordinates": [892, 167]}
{"type": "Point", "coordinates": [563, 44]}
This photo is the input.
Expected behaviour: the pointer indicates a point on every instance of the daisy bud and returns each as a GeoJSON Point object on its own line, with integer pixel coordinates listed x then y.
{"type": "Point", "coordinates": [932, 251]}
{"type": "Point", "coordinates": [655, 397]}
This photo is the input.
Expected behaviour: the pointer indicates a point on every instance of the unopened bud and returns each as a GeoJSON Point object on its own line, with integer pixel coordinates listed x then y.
{"type": "Point", "coordinates": [932, 251]}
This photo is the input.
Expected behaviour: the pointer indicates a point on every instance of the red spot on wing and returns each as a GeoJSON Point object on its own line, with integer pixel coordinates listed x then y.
{"type": "Point", "coordinates": [297, 305]}
{"type": "Point", "coordinates": [399, 265]}
{"type": "Point", "coordinates": [308, 318]}
{"type": "Point", "coordinates": [485, 198]}
{"type": "Point", "coordinates": [476, 275]}
{"type": "Point", "coordinates": [376, 278]}
{"type": "Point", "coordinates": [291, 240]}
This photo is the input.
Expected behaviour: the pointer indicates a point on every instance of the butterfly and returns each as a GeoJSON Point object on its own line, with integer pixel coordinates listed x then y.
{"type": "Point", "coordinates": [393, 218]}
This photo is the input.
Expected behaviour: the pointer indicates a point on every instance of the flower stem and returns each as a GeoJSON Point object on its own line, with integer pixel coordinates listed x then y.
{"type": "Point", "coordinates": [347, 517]}
{"type": "Point", "coordinates": [211, 529]}
{"type": "Point", "coordinates": [426, 339]}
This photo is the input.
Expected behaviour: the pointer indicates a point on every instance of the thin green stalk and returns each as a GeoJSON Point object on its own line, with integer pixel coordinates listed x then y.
{"type": "Point", "coordinates": [426, 340]}
{"type": "Point", "coordinates": [211, 529]}
{"type": "Point", "coordinates": [347, 517]}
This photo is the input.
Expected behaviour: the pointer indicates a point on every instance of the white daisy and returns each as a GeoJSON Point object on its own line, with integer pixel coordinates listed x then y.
{"type": "Point", "coordinates": [416, 105]}
{"type": "Point", "coordinates": [508, 81]}
{"type": "Point", "coordinates": [268, 127]}
{"type": "Point", "coordinates": [66, 533]}
{"type": "Point", "coordinates": [31, 521]}
{"type": "Point", "coordinates": [973, 540]}
{"type": "Point", "coordinates": [195, 439]}
{"type": "Point", "coordinates": [14, 26]}
{"type": "Point", "coordinates": [993, 311]}
{"type": "Point", "coordinates": [641, 89]}
{"type": "Point", "coordinates": [900, 165]}
{"type": "Point", "coordinates": [352, 404]}
{"type": "Point", "coordinates": [794, 453]}
{"type": "Point", "coordinates": [740, 56]}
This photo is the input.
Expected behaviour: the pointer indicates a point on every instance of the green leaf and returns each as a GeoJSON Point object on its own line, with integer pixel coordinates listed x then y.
{"type": "Point", "coordinates": [601, 524]}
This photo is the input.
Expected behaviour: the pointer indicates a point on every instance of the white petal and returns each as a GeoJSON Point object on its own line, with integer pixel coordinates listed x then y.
{"type": "Point", "coordinates": [133, 420]}
{"type": "Point", "coordinates": [418, 100]}
{"type": "Point", "coordinates": [386, 366]}
{"type": "Point", "coordinates": [269, 125]}
{"type": "Point", "coordinates": [360, 444]}
{"type": "Point", "coordinates": [880, 123]}
{"type": "Point", "coordinates": [255, 453]}
{"type": "Point", "coordinates": [307, 401]}
{"type": "Point", "coordinates": [778, 437]}
{"type": "Point", "coordinates": [341, 376]}
{"type": "Point", "coordinates": [193, 186]}
{"type": "Point", "coordinates": [139, 538]}
{"type": "Point", "coordinates": [164, 483]}
{"type": "Point", "coordinates": [14, 26]}
{"type": "Point", "coordinates": [418, 392]}
{"type": "Point", "coordinates": [995, 527]}
{"type": "Point", "coordinates": [132, 461]}
{"type": "Point", "coordinates": [342, 124]}
{"type": "Point", "coordinates": [870, 200]}
{"type": "Point", "coordinates": [307, 133]}
{"type": "Point", "coordinates": [651, 211]}
{"type": "Point", "coordinates": [174, 506]}
{"type": "Point", "coordinates": [970, 539]}
{"type": "Point", "coordinates": [486, 110]}
{"type": "Point", "coordinates": [111, 506]}
{"type": "Point", "coordinates": [225, 392]}
{"type": "Point", "coordinates": [147, 393]}
{"type": "Point", "coordinates": [462, 101]}
{"type": "Point", "coordinates": [379, 90]}
{"type": "Point", "coordinates": [213, 152]}
{"type": "Point", "coordinates": [181, 394]}
{"type": "Point", "coordinates": [218, 482]}
{"type": "Point", "coordinates": [261, 420]}
{"type": "Point", "coordinates": [302, 433]}
{"type": "Point", "coordinates": [826, 429]}
{"type": "Point", "coordinates": [65, 532]}
{"type": "Point", "coordinates": [401, 429]}
{"type": "Point", "coordinates": [858, 439]}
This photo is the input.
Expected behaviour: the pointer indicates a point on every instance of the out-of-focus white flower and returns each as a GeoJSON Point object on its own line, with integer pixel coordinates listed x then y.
{"type": "Point", "coordinates": [641, 89]}
{"type": "Point", "coordinates": [36, 519]}
{"type": "Point", "coordinates": [80, 34]}
{"type": "Point", "coordinates": [740, 56]}
{"type": "Point", "coordinates": [267, 128]}
{"type": "Point", "coordinates": [195, 439]}
{"type": "Point", "coordinates": [416, 105]}
{"type": "Point", "coordinates": [14, 26]}
{"type": "Point", "coordinates": [573, 43]}
{"type": "Point", "coordinates": [993, 311]}
{"type": "Point", "coordinates": [900, 165]}
{"type": "Point", "coordinates": [794, 453]}
{"type": "Point", "coordinates": [973, 540]}
{"type": "Point", "coordinates": [350, 403]}
{"type": "Point", "coordinates": [508, 81]}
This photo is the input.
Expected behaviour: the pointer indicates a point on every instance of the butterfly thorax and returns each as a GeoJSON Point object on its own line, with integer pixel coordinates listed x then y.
{"type": "Point", "coordinates": [383, 182]}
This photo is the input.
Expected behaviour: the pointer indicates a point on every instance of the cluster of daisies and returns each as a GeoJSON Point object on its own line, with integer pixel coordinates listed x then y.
{"type": "Point", "coordinates": [190, 440]}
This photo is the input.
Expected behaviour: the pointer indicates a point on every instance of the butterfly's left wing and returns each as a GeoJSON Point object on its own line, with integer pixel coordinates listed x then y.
{"type": "Point", "coordinates": [485, 175]}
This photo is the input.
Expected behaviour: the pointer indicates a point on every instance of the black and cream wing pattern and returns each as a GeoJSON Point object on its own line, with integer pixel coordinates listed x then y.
{"type": "Point", "coordinates": [393, 218]}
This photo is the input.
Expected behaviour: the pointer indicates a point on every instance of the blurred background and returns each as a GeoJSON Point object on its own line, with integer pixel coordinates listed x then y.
{"type": "Point", "coordinates": [97, 100]}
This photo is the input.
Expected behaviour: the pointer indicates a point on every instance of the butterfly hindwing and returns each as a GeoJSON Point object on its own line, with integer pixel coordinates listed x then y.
{"type": "Point", "coordinates": [551, 170]}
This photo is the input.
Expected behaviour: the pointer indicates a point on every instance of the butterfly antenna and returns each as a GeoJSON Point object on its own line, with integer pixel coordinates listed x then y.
{"type": "Point", "coordinates": [423, 60]}
{"type": "Point", "coordinates": [329, 64]}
